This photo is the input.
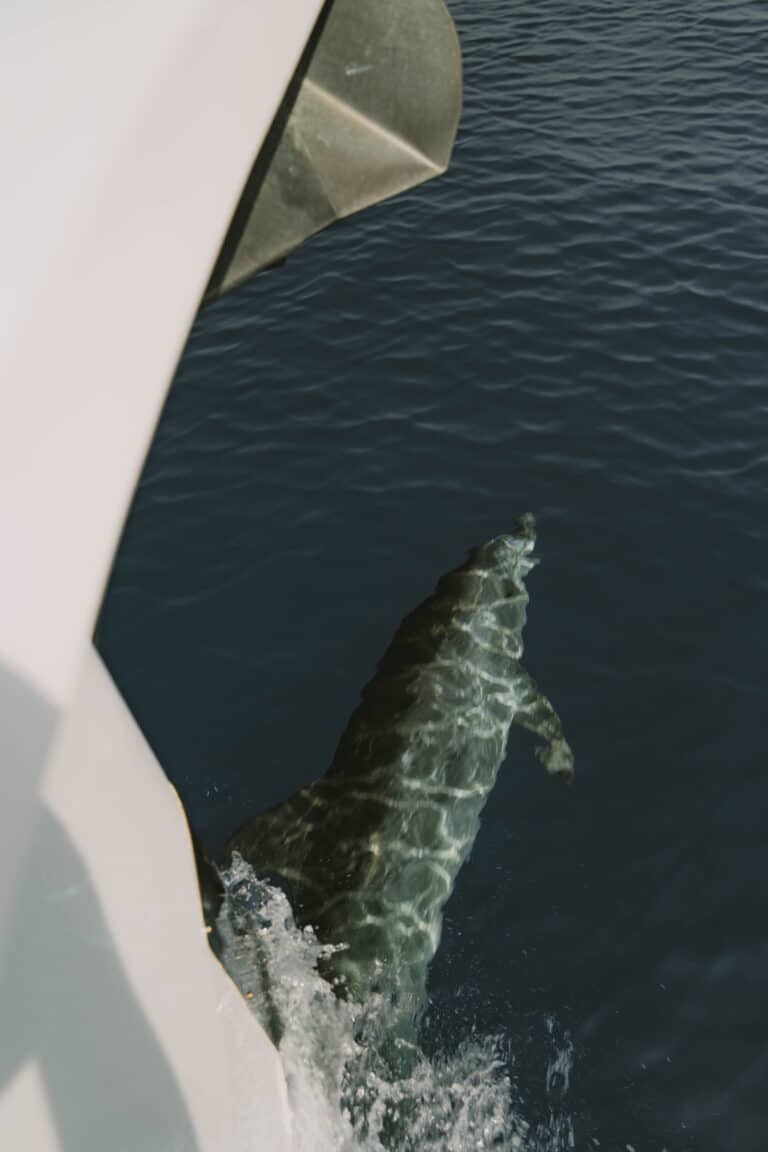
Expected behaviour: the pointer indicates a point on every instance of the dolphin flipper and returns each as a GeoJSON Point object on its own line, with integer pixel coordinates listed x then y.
{"type": "Point", "coordinates": [537, 715]}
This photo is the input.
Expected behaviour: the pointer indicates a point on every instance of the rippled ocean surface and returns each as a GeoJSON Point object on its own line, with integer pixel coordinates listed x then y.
{"type": "Point", "coordinates": [574, 322]}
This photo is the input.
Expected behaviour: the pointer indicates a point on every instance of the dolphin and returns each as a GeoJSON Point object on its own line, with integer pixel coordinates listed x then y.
{"type": "Point", "coordinates": [371, 851]}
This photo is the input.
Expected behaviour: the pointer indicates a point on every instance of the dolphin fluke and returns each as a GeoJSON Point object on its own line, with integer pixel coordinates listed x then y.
{"type": "Point", "coordinates": [372, 850]}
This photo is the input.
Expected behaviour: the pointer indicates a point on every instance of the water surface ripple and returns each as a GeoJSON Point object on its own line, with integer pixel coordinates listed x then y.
{"type": "Point", "coordinates": [572, 322]}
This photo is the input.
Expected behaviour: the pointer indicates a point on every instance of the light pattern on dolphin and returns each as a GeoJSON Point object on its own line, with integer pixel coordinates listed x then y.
{"type": "Point", "coordinates": [372, 850]}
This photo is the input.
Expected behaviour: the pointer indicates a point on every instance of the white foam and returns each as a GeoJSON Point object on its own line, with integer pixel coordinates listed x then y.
{"type": "Point", "coordinates": [344, 1096]}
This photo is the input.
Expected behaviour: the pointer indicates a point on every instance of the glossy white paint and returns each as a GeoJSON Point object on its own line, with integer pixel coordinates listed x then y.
{"type": "Point", "coordinates": [128, 131]}
{"type": "Point", "coordinates": [122, 1030]}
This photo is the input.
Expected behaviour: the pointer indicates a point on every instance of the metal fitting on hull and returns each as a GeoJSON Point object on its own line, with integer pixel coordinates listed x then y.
{"type": "Point", "coordinates": [372, 111]}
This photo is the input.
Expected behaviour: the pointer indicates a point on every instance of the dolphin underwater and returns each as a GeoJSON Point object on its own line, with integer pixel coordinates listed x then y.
{"type": "Point", "coordinates": [371, 851]}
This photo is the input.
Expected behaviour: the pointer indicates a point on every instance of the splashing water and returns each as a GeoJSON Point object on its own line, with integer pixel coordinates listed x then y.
{"type": "Point", "coordinates": [344, 1093]}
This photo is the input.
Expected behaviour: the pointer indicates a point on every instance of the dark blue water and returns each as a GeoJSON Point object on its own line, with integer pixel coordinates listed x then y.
{"type": "Point", "coordinates": [572, 322]}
